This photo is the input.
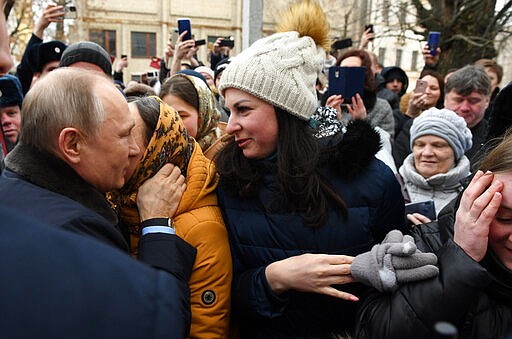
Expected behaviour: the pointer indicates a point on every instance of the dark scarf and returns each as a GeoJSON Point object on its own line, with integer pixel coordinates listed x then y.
{"type": "Point", "coordinates": [49, 172]}
{"type": "Point", "coordinates": [501, 285]}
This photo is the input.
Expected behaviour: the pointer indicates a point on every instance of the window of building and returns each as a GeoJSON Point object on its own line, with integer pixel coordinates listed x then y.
{"type": "Point", "coordinates": [398, 61]}
{"type": "Point", "coordinates": [382, 55]}
{"type": "Point", "coordinates": [143, 44]}
{"type": "Point", "coordinates": [414, 61]}
{"type": "Point", "coordinates": [104, 38]}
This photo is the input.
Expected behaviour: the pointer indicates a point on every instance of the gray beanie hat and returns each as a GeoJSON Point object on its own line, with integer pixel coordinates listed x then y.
{"type": "Point", "coordinates": [87, 51]}
{"type": "Point", "coordinates": [280, 69]}
{"type": "Point", "coordinates": [445, 124]}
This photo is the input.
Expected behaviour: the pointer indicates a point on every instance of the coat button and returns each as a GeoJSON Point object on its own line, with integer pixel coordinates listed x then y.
{"type": "Point", "coordinates": [208, 297]}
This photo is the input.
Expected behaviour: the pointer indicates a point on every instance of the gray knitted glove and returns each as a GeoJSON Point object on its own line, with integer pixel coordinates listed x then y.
{"type": "Point", "coordinates": [395, 261]}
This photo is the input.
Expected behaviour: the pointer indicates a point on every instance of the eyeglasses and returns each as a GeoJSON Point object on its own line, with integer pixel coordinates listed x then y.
{"type": "Point", "coordinates": [8, 4]}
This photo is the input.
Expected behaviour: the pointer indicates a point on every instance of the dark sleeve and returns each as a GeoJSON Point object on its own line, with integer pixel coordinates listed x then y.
{"type": "Point", "coordinates": [118, 76]}
{"type": "Point", "coordinates": [215, 59]}
{"type": "Point", "coordinates": [401, 147]}
{"type": "Point", "coordinates": [412, 310]}
{"type": "Point", "coordinates": [169, 253]}
{"type": "Point", "coordinates": [25, 71]}
{"type": "Point", "coordinates": [164, 71]}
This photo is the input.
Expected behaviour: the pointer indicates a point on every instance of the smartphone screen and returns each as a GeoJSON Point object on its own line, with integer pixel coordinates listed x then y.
{"type": "Point", "coordinates": [184, 25]}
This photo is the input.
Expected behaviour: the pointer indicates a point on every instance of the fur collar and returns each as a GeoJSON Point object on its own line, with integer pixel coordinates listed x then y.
{"type": "Point", "coordinates": [49, 172]}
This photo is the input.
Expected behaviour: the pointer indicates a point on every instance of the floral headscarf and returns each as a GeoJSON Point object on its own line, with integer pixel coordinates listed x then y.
{"type": "Point", "coordinates": [207, 131]}
{"type": "Point", "coordinates": [170, 143]}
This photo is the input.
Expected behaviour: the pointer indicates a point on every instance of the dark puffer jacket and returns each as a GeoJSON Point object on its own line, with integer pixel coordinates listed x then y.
{"type": "Point", "coordinates": [475, 297]}
{"type": "Point", "coordinates": [259, 237]}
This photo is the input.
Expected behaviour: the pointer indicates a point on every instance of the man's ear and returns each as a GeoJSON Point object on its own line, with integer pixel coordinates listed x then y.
{"type": "Point", "coordinates": [69, 144]}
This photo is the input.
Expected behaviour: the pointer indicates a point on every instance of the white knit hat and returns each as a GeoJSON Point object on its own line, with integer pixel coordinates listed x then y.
{"type": "Point", "coordinates": [445, 124]}
{"type": "Point", "coordinates": [280, 69]}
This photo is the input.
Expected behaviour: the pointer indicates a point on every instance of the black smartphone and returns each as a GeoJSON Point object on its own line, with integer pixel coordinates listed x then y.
{"type": "Point", "coordinates": [184, 25]}
{"type": "Point", "coordinates": [426, 208]}
{"type": "Point", "coordinates": [341, 44]}
{"type": "Point", "coordinates": [370, 26]}
{"type": "Point", "coordinates": [346, 81]}
{"type": "Point", "coordinates": [227, 42]}
{"type": "Point", "coordinates": [124, 56]}
{"type": "Point", "coordinates": [200, 42]}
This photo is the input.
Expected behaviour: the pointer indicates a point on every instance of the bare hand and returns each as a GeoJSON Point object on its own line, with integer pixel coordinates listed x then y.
{"type": "Point", "coordinates": [314, 273]}
{"type": "Point", "coordinates": [418, 219]}
{"type": "Point", "coordinates": [478, 206]}
{"type": "Point", "coordinates": [366, 38]}
{"type": "Point", "coordinates": [429, 58]}
{"type": "Point", "coordinates": [52, 13]}
{"type": "Point", "coordinates": [120, 64]}
{"type": "Point", "coordinates": [160, 196]}
{"type": "Point", "coordinates": [182, 48]}
{"type": "Point", "coordinates": [335, 102]}
{"type": "Point", "coordinates": [416, 105]}
{"type": "Point", "coordinates": [357, 110]}
{"type": "Point", "coordinates": [169, 50]}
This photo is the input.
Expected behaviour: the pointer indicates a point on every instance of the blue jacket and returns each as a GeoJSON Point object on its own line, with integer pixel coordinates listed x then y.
{"type": "Point", "coordinates": [259, 237]}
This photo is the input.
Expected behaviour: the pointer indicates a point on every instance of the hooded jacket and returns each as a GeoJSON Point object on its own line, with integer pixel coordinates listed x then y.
{"type": "Point", "coordinates": [395, 72]}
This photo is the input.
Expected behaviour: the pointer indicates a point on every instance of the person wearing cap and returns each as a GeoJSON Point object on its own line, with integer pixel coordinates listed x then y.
{"type": "Point", "coordinates": [297, 207]}
{"type": "Point", "coordinates": [40, 57]}
{"type": "Point", "coordinates": [89, 56]}
{"type": "Point", "coordinates": [437, 165]}
{"type": "Point", "coordinates": [11, 99]}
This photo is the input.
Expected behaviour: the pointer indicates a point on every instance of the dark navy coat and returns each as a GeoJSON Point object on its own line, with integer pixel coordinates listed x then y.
{"type": "Point", "coordinates": [258, 238]}
{"type": "Point", "coordinates": [58, 284]}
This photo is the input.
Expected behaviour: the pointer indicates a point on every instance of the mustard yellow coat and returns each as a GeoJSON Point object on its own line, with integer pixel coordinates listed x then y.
{"type": "Point", "coordinates": [199, 222]}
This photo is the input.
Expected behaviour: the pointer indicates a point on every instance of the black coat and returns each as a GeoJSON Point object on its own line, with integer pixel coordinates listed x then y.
{"type": "Point", "coordinates": [475, 297]}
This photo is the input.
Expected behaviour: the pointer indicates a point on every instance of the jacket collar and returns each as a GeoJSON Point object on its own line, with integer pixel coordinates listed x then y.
{"type": "Point", "coordinates": [51, 173]}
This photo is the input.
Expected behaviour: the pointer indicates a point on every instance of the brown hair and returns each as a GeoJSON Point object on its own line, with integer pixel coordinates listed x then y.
{"type": "Point", "coordinates": [366, 62]}
{"type": "Point", "coordinates": [499, 159]}
{"type": "Point", "coordinates": [181, 87]}
{"type": "Point", "coordinates": [493, 65]}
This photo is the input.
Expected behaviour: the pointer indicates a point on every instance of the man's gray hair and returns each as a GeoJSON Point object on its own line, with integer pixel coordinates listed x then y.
{"type": "Point", "coordinates": [63, 98]}
{"type": "Point", "coordinates": [469, 79]}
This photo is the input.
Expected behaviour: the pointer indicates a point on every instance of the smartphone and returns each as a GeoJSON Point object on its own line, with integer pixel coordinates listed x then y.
{"type": "Point", "coordinates": [433, 42]}
{"type": "Point", "coordinates": [70, 11]}
{"type": "Point", "coordinates": [184, 25]}
{"type": "Point", "coordinates": [370, 26]}
{"type": "Point", "coordinates": [346, 81]}
{"type": "Point", "coordinates": [200, 42]}
{"type": "Point", "coordinates": [421, 86]}
{"type": "Point", "coordinates": [227, 42]}
{"type": "Point", "coordinates": [426, 208]}
{"type": "Point", "coordinates": [123, 56]}
{"type": "Point", "coordinates": [341, 44]}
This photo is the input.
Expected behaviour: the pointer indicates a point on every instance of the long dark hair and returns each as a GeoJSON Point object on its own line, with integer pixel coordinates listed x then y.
{"type": "Point", "coordinates": [440, 81]}
{"type": "Point", "coordinates": [301, 187]}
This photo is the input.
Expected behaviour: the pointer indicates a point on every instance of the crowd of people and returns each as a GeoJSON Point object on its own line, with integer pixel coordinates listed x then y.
{"type": "Point", "coordinates": [241, 199]}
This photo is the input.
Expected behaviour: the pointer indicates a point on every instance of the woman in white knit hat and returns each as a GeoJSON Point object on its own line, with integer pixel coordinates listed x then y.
{"type": "Point", "coordinates": [437, 165]}
{"type": "Point", "coordinates": [295, 206]}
